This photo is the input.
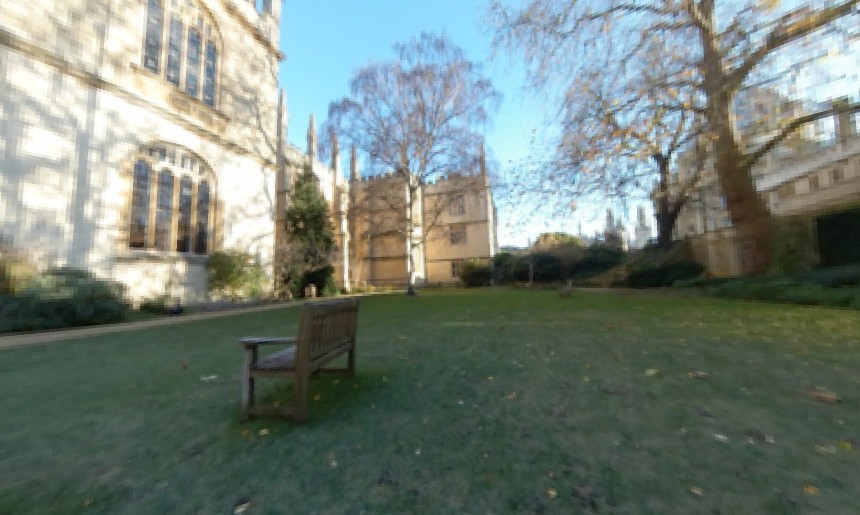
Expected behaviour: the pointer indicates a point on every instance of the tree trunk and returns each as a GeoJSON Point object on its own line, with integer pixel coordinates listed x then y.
{"type": "Point", "coordinates": [410, 235]}
{"type": "Point", "coordinates": [747, 210]}
{"type": "Point", "coordinates": [666, 216]}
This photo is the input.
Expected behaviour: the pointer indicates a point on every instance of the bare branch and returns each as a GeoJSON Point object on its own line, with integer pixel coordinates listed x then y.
{"type": "Point", "coordinates": [751, 158]}
{"type": "Point", "coordinates": [784, 34]}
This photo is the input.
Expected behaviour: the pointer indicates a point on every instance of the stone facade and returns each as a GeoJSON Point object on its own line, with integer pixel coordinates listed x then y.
{"type": "Point", "coordinates": [803, 184]}
{"type": "Point", "coordinates": [455, 221]}
{"type": "Point", "coordinates": [138, 136]}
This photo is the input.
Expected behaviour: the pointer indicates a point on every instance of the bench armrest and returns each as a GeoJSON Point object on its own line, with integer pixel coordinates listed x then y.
{"type": "Point", "coordinates": [253, 341]}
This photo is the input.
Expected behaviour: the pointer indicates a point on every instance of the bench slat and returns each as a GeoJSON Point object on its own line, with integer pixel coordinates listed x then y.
{"type": "Point", "coordinates": [282, 360]}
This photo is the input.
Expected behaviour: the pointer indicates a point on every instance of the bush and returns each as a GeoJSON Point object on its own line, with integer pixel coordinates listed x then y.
{"type": "Point", "coordinates": [157, 305]}
{"type": "Point", "coordinates": [63, 298]}
{"type": "Point", "coordinates": [475, 274]}
{"type": "Point", "coordinates": [598, 258]}
{"type": "Point", "coordinates": [235, 273]}
{"type": "Point", "coordinates": [503, 267]}
{"type": "Point", "coordinates": [834, 277]}
{"type": "Point", "coordinates": [788, 290]}
{"type": "Point", "coordinates": [663, 275]}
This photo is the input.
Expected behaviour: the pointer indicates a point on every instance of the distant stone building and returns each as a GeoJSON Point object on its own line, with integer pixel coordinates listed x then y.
{"type": "Point", "coordinates": [614, 232]}
{"type": "Point", "coordinates": [455, 220]}
{"type": "Point", "coordinates": [642, 231]}
{"type": "Point", "coordinates": [139, 136]}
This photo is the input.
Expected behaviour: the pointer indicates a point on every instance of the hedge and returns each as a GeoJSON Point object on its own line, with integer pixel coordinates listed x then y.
{"type": "Point", "coordinates": [63, 298]}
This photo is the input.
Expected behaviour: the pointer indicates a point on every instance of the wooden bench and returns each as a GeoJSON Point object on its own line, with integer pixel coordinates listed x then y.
{"type": "Point", "coordinates": [326, 331]}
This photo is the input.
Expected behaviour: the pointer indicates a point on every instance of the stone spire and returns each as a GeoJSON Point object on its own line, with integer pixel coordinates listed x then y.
{"type": "Point", "coordinates": [353, 165]}
{"type": "Point", "coordinates": [335, 153]}
{"type": "Point", "coordinates": [312, 138]}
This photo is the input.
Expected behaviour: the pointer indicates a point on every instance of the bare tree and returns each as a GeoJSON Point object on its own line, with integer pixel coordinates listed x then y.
{"type": "Point", "coordinates": [418, 117]}
{"type": "Point", "coordinates": [724, 47]}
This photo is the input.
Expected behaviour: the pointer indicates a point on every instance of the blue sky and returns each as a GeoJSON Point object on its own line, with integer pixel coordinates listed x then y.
{"type": "Point", "coordinates": [326, 41]}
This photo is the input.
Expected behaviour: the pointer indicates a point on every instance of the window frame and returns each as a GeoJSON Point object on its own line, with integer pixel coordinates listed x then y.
{"type": "Point", "coordinates": [456, 268]}
{"type": "Point", "coordinates": [457, 234]}
{"type": "Point", "coordinates": [171, 207]}
{"type": "Point", "coordinates": [190, 15]}
{"type": "Point", "coordinates": [457, 205]}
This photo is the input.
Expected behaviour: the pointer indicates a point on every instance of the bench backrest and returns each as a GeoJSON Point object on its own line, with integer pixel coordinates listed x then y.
{"type": "Point", "coordinates": [326, 329]}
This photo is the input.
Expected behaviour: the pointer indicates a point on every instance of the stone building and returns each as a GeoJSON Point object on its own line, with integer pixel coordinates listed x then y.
{"type": "Point", "coordinates": [454, 219]}
{"type": "Point", "coordinates": [812, 187]}
{"type": "Point", "coordinates": [138, 136]}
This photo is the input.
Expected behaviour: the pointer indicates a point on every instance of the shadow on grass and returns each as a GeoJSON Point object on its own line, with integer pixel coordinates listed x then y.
{"type": "Point", "coordinates": [332, 398]}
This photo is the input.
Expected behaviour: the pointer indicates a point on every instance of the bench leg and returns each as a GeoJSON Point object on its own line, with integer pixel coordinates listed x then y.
{"type": "Point", "coordinates": [247, 392]}
{"type": "Point", "coordinates": [350, 363]}
{"type": "Point", "coordinates": [300, 396]}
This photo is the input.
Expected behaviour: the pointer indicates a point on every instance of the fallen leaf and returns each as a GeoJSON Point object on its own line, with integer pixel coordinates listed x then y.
{"type": "Point", "coordinates": [317, 397]}
{"type": "Point", "coordinates": [263, 432]}
{"type": "Point", "coordinates": [652, 372]}
{"type": "Point", "coordinates": [552, 493]}
{"type": "Point", "coordinates": [811, 490]}
{"type": "Point", "coordinates": [823, 395]}
{"type": "Point", "coordinates": [696, 490]}
{"type": "Point", "coordinates": [721, 438]}
{"type": "Point", "coordinates": [241, 505]}
{"type": "Point", "coordinates": [845, 445]}
{"type": "Point", "coordinates": [698, 374]}
{"type": "Point", "coordinates": [511, 396]}
{"type": "Point", "coordinates": [418, 452]}
{"type": "Point", "coordinates": [825, 449]}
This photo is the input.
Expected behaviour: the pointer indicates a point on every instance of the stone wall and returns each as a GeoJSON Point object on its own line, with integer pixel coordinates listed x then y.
{"type": "Point", "coordinates": [77, 108]}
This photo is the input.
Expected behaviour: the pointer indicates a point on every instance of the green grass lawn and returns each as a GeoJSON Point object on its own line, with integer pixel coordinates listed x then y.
{"type": "Point", "coordinates": [485, 401]}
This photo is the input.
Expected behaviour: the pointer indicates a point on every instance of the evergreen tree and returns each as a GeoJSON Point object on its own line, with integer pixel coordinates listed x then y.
{"type": "Point", "coordinates": [310, 236]}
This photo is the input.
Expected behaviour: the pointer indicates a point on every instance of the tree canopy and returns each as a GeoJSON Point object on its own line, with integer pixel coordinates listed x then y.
{"type": "Point", "coordinates": [636, 76]}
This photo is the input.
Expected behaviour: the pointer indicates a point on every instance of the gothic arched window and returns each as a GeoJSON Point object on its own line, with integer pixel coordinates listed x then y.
{"type": "Point", "coordinates": [164, 210]}
{"type": "Point", "coordinates": [200, 246]}
{"type": "Point", "coordinates": [177, 184]}
{"type": "Point", "coordinates": [183, 49]}
{"type": "Point", "coordinates": [139, 205]}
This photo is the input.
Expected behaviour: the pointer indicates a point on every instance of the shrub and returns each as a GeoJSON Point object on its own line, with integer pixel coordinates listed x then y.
{"type": "Point", "coordinates": [63, 298]}
{"type": "Point", "coordinates": [834, 277]}
{"type": "Point", "coordinates": [598, 258]}
{"type": "Point", "coordinates": [663, 275]}
{"type": "Point", "coordinates": [235, 273]}
{"type": "Point", "coordinates": [503, 267]}
{"type": "Point", "coordinates": [156, 305]}
{"type": "Point", "coordinates": [475, 273]}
